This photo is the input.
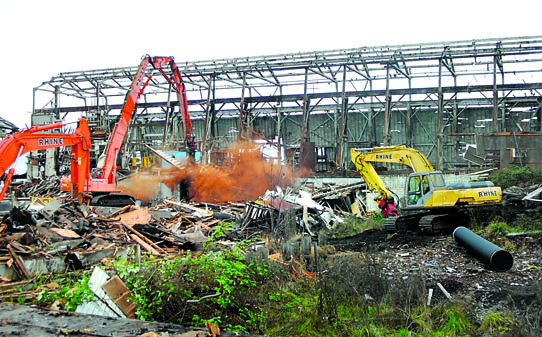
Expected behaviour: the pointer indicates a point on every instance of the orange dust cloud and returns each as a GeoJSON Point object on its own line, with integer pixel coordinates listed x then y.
{"type": "Point", "coordinates": [243, 175]}
{"type": "Point", "coordinates": [140, 185]}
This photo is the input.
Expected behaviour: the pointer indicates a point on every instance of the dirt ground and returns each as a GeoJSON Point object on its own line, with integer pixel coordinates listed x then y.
{"type": "Point", "coordinates": [440, 259]}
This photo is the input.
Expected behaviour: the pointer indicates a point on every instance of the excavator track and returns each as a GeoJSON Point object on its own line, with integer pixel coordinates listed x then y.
{"type": "Point", "coordinates": [389, 224]}
{"type": "Point", "coordinates": [426, 223]}
{"type": "Point", "coordinates": [430, 223]}
{"type": "Point", "coordinates": [443, 222]}
{"type": "Point", "coordinates": [113, 200]}
{"type": "Point", "coordinates": [402, 222]}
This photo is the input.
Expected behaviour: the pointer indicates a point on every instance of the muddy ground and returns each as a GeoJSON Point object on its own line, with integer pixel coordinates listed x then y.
{"type": "Point", "coordinates": [439, 259]}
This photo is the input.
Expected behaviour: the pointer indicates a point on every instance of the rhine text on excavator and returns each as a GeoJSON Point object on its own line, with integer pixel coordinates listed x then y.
{"type": "Point", "coordinates": [487, 194]}
{"type": "Point", "coordinates": [50, 141]}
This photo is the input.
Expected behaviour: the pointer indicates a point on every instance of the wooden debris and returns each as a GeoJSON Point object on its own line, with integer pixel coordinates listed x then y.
{"type": "Point", "coordinates": [66, 233]}
{"type": "Point", "coordinates": [121, 210]}
{"type": "Point", "coordinates": [142, 237]}
{"type": "Point", "coordinates": [214, 330]}
{"type": "Point", "coordinates": [139, 216]}
{"type": "Point", "coordinates": [447, 294]}
{"type": "Point", "coordinates": [18, 265]}
{"type": "Point", "coordinates": [199, 211]}
{"type": "Point", "coordinates": [145, 245]}
{"type": "Point", "coordinates": [116, 289]}
{"type": "Point", "coordinates": [165, 228]}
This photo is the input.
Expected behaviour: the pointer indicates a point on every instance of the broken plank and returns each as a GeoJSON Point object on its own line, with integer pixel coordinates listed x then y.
{"type": "Point", "coordinates": [140, 216]}
{"type": "Point", "coordinates": [144, 238]}
{"type": "Point", "coordinates": [65, 233]}
{"type": "Point", "coordinates": [200, 211]}
{"type": "Point", "coordinates": [122, 210]}
{"type": "Point", "coordinates": [145, 245]}
{"type": "Point", "coordinates": [18, 265]}
{"type": "Point", "coordinates": [121, 295]}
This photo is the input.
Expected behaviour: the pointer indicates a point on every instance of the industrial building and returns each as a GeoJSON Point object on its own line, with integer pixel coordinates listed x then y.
{"type": "Point", "coordinates": [464, 104]}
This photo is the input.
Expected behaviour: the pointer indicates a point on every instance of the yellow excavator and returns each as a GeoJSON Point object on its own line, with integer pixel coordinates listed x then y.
{"type": "Point", "coordinates": [431, 205]}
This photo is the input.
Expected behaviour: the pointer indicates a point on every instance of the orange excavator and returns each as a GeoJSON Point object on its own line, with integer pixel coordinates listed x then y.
{"type": "Point", "coordinates": [33, 139]}
{"type": "Point", "coordinates": [102, 183]}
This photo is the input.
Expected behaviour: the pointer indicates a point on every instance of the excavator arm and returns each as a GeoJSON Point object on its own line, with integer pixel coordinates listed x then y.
{"type": "Point", "coordinates": [105, 178]}
{"type": "Point", "coordinates": [365, 168]}
{"type": "Point", "coordinates": [387, 154]}
{"type": "Point", "coordinates": [32, 139]}
{"type": "Point", "coordinates": [177, 83]}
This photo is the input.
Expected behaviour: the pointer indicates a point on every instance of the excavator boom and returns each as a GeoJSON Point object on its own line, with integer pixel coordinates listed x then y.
{"type": "Point", "coordinates": [31, 139]}
{"type": "Point", "coordinates": [374, 182]}
{"type": "Point", "coordinates": [399, 154]}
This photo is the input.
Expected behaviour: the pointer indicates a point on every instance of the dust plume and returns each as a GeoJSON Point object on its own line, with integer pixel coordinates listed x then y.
{"type": "Point", "coordinates": [140, 185]}
{"type": "Point", "coordinates": [243, 175]}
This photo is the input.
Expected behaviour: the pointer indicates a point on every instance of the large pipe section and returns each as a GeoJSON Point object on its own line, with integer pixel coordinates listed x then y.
{"type": "Point", "coordinates": [498, 258]}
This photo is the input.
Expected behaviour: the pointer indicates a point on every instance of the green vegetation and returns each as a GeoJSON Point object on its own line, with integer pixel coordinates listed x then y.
{"type": "Point", "coordinates": [67, 294]}
{"type": "Point", "coordinates": [352, 299]}
{"type": "Point", "coordinates": [498, 228]}
{"type": "Point", "coordinates": [495, 322]}
{"type": "Point", "coordinates": [353, 225]}
{"type": "Point", "coordinates": [516, 176]}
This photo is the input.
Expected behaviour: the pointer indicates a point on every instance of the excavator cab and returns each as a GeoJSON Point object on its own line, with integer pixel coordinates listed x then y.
{"type": "Point", "coordinates": [420, 187]}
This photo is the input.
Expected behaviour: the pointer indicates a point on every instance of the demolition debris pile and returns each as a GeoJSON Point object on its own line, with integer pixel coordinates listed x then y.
{"type": "Point", "coordinates": [46, 232]}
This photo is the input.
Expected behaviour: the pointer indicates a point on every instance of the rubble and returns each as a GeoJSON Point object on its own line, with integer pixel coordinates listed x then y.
{"type": "Point", "coordinates": [522, 200]}
{"type": "Point", "coordinates": [48, 232]}
{"type": "Point", "coordinates": [46, 225]}
{"type": "Point", "coordinates": [51, 233]}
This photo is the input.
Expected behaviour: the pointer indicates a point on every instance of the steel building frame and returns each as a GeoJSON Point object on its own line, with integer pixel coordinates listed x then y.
{"type": "Point", "coordinates": [433, 96]}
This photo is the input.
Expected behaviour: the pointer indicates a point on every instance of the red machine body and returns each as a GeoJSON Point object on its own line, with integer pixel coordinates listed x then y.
{"type": "Point", "coordinates": [17, 144]}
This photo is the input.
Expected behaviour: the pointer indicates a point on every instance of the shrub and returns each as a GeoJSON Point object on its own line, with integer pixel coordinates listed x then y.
{"type": "Point", "coordinates": [495, 322]}
{"type": "Point", "coordinates": [497, 229]}
{"type": "Point", "coordinates": [195, 288]}
{"type": "Point", "coordinates": [353, 225]}
{"type": "Point", "coordinates": [516, 176]}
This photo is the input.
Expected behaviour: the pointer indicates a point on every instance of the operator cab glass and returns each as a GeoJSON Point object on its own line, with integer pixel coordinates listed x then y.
{"type": "Point", "coordinates": [437, 180]}
{"type": "Point", "coordinates": [414, 190]}
{"type": "Point", "coordinates": [421, 185]}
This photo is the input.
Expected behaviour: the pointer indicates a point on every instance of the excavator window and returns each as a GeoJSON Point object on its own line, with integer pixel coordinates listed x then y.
{"type": "Point", "coordinates": [425, 185]}
{"type": "Point", "coordinates": [414, 190]}
{"type": "Point", "coordinates": [437, 180]}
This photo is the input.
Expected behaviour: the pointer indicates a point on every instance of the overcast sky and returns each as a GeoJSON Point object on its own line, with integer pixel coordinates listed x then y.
{"type": "Point", "coordinates": [39, 39]}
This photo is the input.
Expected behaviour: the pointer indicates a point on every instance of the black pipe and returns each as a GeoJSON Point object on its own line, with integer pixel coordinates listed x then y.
{"type": "Point", "coordinates": [498, 258]}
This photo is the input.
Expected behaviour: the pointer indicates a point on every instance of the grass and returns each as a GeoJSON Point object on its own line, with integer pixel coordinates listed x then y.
{"type": "Point", "coordinates": [353, 225]}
